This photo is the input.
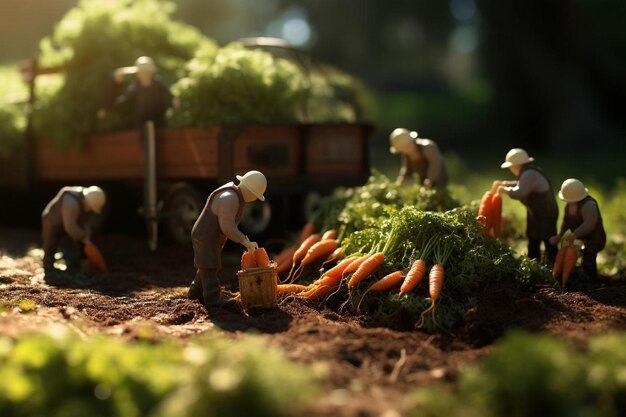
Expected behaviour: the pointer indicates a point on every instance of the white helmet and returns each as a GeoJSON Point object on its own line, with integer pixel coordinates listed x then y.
{"type": "Point", "coordinates": [401, 139]}
{"type": "Point", "coordinates": [95, 198]}
{"type": "Point", "coordinates": [573, 190]}
{"type": "Point", "coordinates": [145, 64]}
{"type": "Point", "coordinates": [255, 182]}
{"type": "Point", "coordinates": [516, 156]}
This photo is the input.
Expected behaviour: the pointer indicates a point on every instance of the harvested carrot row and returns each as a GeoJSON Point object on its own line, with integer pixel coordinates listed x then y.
{"type": "Point", "coordinates": [302, 250]}
{"type": "Point", "coordinates": [496, 214]}
{"type": "Point", "coordinates": [484, 212]}
{"type": "Point", "coordinates": [290, 288]}
{"type": "Point", "coordinates": [330, 234]}
{"type": "Point", "coordinates": [414, 277]}
{"type": "Point", "coordinates": [354, 265]}
{"type": "Point", "coordinates": [284, 261]}
{"type": "Point", "coordinates": [366, 268]}
{"type": "Point", "coordinates": [316, 292]}
{"type": "Point", "coordinates": [248, 260]}
{"type": "Point", "coordinates": [319, 250]}
{"type": "Point", "coordinates": [262, 258]}
{"type": "Point", "coordinates": [569, 262]}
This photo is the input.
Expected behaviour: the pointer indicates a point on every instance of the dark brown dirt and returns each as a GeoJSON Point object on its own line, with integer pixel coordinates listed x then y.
{"type": "Point", "coordinates": [369, 369]}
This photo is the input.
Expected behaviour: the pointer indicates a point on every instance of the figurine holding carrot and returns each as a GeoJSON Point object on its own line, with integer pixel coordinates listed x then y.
{"type": "Point", "coordinates": [582, 216]}
{"type": "Point", "coordinates": [533, 189]}
{"type": "Point", "coordinates": [217, 222]}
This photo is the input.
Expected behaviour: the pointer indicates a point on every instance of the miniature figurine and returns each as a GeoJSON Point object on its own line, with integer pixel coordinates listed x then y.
{"type": "Point", "coordinates": [419, 156]}
{"type": "Point", "coordinates": [534, 190]}
{"type": "Point", "coordinates": [148, 95]}
{"type": "Point", "coordinates": [217, 222]}
{"type": "Point", "coordinates": [73, 212]}
{"type": "Point", "coordinates": [582, 216]}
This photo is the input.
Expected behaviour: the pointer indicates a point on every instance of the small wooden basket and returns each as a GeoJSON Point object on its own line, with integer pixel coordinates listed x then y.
{"type": "Point", "coordinates": [257, 287]}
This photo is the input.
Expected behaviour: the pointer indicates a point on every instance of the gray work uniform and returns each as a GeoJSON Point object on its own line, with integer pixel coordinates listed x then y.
{"type": "Point", "coordinates": [207, 237]}
{"type": "Point", "coordinates": [542, 212]}
{"type": "Point", "coordinates": [65, 215]}
{"type": "Point", "coordinates": [425, 166]}
{"type": "Point", "coordinates": [589, 229]}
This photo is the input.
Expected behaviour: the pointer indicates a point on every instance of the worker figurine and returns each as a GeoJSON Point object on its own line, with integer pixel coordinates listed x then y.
{"type": "Point", "coordinates": [534, 190]}
{"type": "Point", "coordinates": [582, 216]}
{"type": "Point", "coordinates": [74, 212]}
{"type": "Point", "coordinates": [148, 96]}
{"type": "Point", "coordinates": [419, 156]}
{"type": "Point", "coordinates": [219, 221]}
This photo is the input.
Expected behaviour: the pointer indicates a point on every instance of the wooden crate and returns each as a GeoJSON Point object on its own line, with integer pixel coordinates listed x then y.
{"type": "Point", "coordinates": [257, 287]}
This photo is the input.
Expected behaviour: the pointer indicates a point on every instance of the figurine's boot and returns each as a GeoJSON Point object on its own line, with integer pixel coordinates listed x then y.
{"type": "Point", "coordinates": [195, 289]}
{"type": "Point", "coordinates": [211, 290]}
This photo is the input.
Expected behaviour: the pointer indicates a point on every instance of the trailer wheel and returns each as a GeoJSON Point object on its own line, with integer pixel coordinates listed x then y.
{"type": "Point", "coordinates": [256, 217]}
{"type": "Point", "coordinates": [183, 205]}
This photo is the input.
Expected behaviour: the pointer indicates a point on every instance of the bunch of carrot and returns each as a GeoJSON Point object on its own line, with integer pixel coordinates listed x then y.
{"type": "Point", "coordinates": [255, 259]}
{"type": "Point", "coordinates": [490, 214]}
{"type": "Point", "coordinates": [311, 249]}
{"type": "Point", "coordinates": [565, 263]}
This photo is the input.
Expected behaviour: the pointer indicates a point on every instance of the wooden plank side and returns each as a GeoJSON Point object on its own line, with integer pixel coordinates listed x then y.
{"type": "Point", "coordinates": [335, 149]}
{"type": "Point", "coordinates": [181, 154]}
{"type": "Point", "coordinates": [111, 156]}
{"type": "Point", "coordinates": [273, 150]}
{"type": "Point", "coordinates": [188, 153]}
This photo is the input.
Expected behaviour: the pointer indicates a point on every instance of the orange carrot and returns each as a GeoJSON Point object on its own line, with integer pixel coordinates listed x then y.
{"type": "Point", "coordinates": [319, 250]}
{"type": "Point", "coordinates": [496, 214]}
{"type": "Point", "coordinates": [307, 230]}
{"type": "Point", "coordinates": [290, 288]}
{"type": "Point", "coordinates": [262, 259]}
{"type": "Point", "coordinates": [337, 270]}
{"type": "Point", "coordinates": [366, 268]}
{"type": "Point", "coordinates": [558, 263]}
{"type": "Point", "coordinates": [414, 277]}
{"type": "Point", "coordinates": [354, 265]}
{"type": "Point", "coordinates": [316, 292]}
{"type": "Point", "coordinates": [484, 211]}
{"type": "Point", "coordinates": [94, 256]}
{"type": "Point", "coordinates": [302, 250]}
{"type": "Point", "coordinates": [435, 281]}
{"type": "Point", "coordinates": [248, 260]}
{"type": "Point", "coordinates": [337, 254]}
{"type": "Point", "coordinates": [569, 262]}
{"type": "Point", "coordinates": [330, 234]}
{"type": "Point", "coordinates": [387, 282]}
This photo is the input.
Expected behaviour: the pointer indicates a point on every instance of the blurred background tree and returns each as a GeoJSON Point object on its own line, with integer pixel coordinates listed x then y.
{"type": "Point", "coordinates": [479, 75]}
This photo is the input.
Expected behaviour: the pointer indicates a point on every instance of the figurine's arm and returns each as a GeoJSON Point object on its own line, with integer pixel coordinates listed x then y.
{"type": "Point", "coordinates": [225, 207]}
{"type": "Point", "coordinates": [527, 183]}
{"type": "Point", "coordinates": [435, 163]}
{"type": "Point", "coordinates": [590, 213]}
{"type": "Point", "coordinates": [70, 210]}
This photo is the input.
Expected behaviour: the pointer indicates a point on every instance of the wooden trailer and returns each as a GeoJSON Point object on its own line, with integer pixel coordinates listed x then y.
{"type": "Point", "coordinates": [177, 172]}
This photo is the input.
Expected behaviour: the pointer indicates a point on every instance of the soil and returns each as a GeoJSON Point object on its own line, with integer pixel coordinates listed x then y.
{"type": "Point", "coordinates": [370, 369]}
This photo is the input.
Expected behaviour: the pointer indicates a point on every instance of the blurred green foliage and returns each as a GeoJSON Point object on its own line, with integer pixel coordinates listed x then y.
{"type": "Point", "coordinates": [92, 40]}
{"type": "Point", "coordinates": [532, 375]}
{"type": "Point", "coordinates": [215, 85]}
{"type": "Point", "coordinates": [66, 376]}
